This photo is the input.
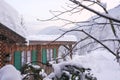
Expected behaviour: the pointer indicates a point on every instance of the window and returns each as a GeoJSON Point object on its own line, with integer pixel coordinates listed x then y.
{"type": "Point", "coordinates": [51, 54]}
{"type": "Point", "coordinates": [23, 58]}
{"type": "Point", "coordinates": [48, 55]}
{"type": "Point", "coordinates": [28, 56]}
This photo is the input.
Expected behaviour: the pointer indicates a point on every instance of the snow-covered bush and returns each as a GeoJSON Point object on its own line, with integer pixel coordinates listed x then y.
{"type": "Point", "coordinates": [32, 71]}
{"type": "Point", "coordinates": [70, 71]}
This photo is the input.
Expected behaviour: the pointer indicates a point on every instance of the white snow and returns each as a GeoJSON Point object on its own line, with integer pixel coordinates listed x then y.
{"type": "Point", "coordinates": [52, 37]}
{"type": "Point", "coordinates": [9, 72]}
{"type": "Point", "coordinates": [10, 18]}
{"type": "Point", "coordinates": [102, 63]}
{"type": "Point", "coordinates": [58, 67]}
{"type": "Point", "coordinates": [104, 5]}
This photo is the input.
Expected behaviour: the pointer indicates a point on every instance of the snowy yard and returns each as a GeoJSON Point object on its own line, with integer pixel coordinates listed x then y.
{"type": "Point", "coordinates": [102, 63]}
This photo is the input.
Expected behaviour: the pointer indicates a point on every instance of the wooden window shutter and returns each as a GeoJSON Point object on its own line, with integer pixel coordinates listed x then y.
{"type": "Point", "coordinates": [54, 53]}
{"type": "Point", "coordinates": [34, 56]}
{"type": "Point", "coordinates": [17, 60]}
{"type": "Point", "coordinates": [44, 56]}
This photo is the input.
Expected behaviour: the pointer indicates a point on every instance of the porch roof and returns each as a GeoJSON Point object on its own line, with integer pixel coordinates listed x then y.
{"type": "Point", "coordinates": [51, 39]}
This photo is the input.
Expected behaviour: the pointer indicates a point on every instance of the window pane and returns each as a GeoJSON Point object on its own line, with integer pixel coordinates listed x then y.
{"type": "Point", "coordinates": [48, 55]}
{"type": "Point", "coordinates": [23, 58]}
{"type": "Point", "coordinates": [28, 56]}
{"type": "Point", "coordinates": [51, 54]}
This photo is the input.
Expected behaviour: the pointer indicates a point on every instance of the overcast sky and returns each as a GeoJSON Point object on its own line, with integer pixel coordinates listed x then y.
{"type": "Point", "coordinates": [33, 9]}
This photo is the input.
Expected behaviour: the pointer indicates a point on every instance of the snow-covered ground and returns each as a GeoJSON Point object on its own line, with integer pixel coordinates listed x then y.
{"type": "Point", "coordinates": [102, 63]}
{"type": "Point", "coordinates": [9, 72]}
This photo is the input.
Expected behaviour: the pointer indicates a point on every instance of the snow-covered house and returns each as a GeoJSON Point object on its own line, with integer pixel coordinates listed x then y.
{"type": "Point", "coordinates": [12, 40]}
{"type": "Point", "coordinates": [11, 32]}
{"type": "Point", "coordinates": [45, 48]}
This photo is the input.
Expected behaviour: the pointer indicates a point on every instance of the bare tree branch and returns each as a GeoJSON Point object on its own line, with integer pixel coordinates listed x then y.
{"type": "Point", "coordinates": [87, 37]}
{"type": "Point", "coordinates": [99, 42]}
{"type": "Point", "coordinates": [98, 13]}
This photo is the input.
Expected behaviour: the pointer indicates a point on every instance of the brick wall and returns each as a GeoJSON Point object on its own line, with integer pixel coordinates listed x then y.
{"type": "Point", "coordinates": [2, 51]}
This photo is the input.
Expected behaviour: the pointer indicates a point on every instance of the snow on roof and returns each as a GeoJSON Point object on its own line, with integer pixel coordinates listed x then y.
{"type": "Point", "coordinates": [51, 38]}
{"type": "Point", "coordinates": [10, 18]}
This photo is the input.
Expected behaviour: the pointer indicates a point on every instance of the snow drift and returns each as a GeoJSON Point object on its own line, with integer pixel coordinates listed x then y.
{"type": "Point", "coordinates": [9, 72]}
{"type": "Point", "coordinates": [101, 62]}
